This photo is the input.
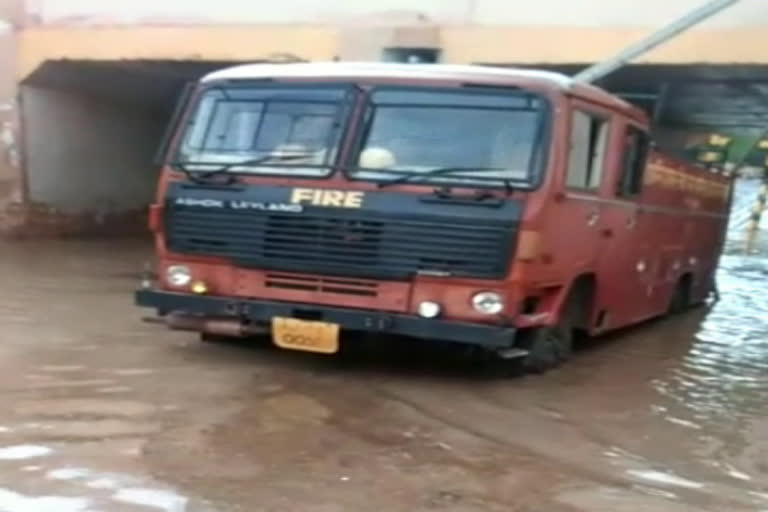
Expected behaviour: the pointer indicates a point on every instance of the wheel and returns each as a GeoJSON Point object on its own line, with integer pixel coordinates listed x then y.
{"type": "Point", "coordinates": [681, 297]}
{"type": "Point", "coordinates": [496, 365]}
{"type": "Point", "coordinates": [549, 347]}
{"type": "Point", "coordinates": [540, 349]}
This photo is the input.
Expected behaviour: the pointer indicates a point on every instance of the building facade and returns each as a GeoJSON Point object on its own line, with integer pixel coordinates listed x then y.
{"type": "Point", "coordinates": [76, 140]}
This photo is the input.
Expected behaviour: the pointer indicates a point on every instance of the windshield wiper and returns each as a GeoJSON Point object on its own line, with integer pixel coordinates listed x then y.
{"type": "Point", "coordinates": [205, 176]}
{"type": "Point", "coordinates": [445, 170]}
{"type": "Point", "coordinates": [256, 161]}
{"type": "Point", "coordinates": [194, 176]}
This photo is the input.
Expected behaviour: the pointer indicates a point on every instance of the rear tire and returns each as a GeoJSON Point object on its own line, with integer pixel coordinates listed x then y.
{"type": "Point", "coordinates": [681, 297]}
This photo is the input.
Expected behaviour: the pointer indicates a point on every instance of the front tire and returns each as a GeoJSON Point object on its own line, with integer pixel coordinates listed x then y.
{"type": "Point", "coordinates": [548, 347]}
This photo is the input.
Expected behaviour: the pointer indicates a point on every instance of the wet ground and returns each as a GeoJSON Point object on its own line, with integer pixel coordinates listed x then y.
{"type": "Point", "coordinates": [101, 412]}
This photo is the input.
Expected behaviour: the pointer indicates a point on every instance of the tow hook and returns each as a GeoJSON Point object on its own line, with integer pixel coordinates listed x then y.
{"type": "Point", "coordinates": [512, 353]}
{"type": "Point", "coordinates": [227, 327]}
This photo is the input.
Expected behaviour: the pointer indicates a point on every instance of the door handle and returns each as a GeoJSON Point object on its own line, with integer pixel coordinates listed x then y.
{"type": "Point", "coordinates": [632, 219]}
{"type": "Point", "coordinates": [593, 217]}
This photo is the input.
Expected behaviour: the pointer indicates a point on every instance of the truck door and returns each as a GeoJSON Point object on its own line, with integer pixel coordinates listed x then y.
{"type": "Point", "coordinates": [578, 218]}
{"type": "Point", "coordinates": [625, 272]}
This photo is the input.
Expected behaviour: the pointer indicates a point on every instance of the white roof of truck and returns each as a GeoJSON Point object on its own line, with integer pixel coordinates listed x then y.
{"type": "Point", "coordinates": [384, 70]}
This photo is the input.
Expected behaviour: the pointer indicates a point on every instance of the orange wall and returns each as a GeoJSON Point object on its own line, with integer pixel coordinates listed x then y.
{"type": "Point", "coordinates": [460, 44]}
{"type": "Point", "coordinates": [556, 44]}
{"type": "Point", "coordinates": [181, 43]}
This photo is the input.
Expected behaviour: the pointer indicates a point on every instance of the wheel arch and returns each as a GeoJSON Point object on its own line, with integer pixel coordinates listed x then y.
{"type": "Point", "coordinates": [581, 295]}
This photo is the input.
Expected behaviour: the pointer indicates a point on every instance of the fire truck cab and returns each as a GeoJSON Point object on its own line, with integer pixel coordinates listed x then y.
{"type": "Point", "coordinates": [500, 209]}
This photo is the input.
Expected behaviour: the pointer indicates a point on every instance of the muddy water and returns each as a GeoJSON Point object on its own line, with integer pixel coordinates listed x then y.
{"type": "Point", "coordinates": [103, 413]}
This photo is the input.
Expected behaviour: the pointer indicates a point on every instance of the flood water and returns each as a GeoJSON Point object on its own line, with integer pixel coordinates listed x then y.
{"type": "Point", "coordinates": [102, 412]}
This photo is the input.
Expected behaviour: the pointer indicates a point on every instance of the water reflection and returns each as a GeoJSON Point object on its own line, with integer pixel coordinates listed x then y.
{"type": "Point", "coordinates": [163, 500]}
{"type": "Point", "coordinates": [11, 501]}
{"type": "Point", "coordinates": [114, 487]}
{"type": "Point", "coordinates": [21, 452]}
{"type": "Point", "coordinates": [725, 374]}
{"type": "Point", "coordinates": [667, 479]}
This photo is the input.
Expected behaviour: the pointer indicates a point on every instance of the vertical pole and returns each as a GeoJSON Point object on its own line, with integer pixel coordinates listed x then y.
{"type": "Point", "coordinates": [661, 101]}
{"type": "Point", "coordinates": [469, 14]}
{"type": "Point", "coordinates": [753, 227]}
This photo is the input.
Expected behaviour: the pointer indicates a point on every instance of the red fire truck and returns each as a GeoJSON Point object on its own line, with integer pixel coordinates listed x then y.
{"type": "Point", "coordinates": [499, 209]}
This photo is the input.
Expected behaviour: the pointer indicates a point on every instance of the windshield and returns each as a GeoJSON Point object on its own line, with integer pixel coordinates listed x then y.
{"type": "Point", "coordinates": [488, 136]}
{"type": "Point", "coordinates": [297, 127]}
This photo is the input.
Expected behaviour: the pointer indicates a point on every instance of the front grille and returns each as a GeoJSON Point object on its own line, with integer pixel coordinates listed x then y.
{"type": "Point", "coordinates": [349, 243]}
{"type": "Point", "coordinates": [322, 284]}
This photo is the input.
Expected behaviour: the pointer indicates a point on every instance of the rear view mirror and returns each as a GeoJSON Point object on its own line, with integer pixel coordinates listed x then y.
{"type": "Point", "coordinates": [181, 102]}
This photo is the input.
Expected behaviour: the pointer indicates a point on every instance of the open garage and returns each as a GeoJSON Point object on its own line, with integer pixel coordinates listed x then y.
{"type": "Point", "coordinates": [91, 132]}
{"type": "Point", "coordinates": [688, 101]}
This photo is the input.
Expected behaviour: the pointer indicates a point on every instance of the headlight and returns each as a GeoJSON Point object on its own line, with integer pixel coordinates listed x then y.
{"type": "Point", "coordinates": [429, 309]}
{"type": "Point", "coordinates": [488, 303]}
{"type": "Point", "coordinates": [178, 275]}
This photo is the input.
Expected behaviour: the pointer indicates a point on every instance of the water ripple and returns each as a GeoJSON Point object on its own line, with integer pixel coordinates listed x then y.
{"type": "Point", "coordinates": [726, 370]}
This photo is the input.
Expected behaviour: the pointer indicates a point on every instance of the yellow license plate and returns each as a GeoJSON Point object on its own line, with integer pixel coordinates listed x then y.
{"type": "Point", "coordinates": [293, 334]}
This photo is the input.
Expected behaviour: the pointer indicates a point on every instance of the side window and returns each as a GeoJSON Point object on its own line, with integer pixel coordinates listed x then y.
{"type": "Point", "coordinates": [586, 158]}
{"type": "Point", "coordinates": [636, 144]}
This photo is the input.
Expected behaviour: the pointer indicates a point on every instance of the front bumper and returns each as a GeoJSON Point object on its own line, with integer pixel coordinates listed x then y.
{"type": "Point", "coordinates": [261, 311]}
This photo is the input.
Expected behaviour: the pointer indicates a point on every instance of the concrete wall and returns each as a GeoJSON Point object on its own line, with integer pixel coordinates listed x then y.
{"type": "Point", "coordinates": [11, 174]}
{"type": "Point", "coordinates": [87, 155]}
{"type": "Point", "coordinates": [216, 43]}
{"type": "Point", "coordinates": [365, 39]}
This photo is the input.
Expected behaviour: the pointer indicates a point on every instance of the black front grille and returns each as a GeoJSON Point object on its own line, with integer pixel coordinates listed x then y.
{"type": "Point", "coordinates": [355, 243]}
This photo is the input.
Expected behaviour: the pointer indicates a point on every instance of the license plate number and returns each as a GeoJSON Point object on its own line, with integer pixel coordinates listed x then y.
{"type": "Point", "coordinates": [293, 334]}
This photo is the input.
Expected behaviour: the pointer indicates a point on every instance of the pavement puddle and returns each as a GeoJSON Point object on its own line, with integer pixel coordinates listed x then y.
{"type": "Point", "coordinates": [24, 451]}
{"type": "Point", "coordinates": [11, 501]}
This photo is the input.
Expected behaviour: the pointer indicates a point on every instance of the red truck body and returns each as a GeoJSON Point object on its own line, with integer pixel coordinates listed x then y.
{"type": "Point", "coordinates": [602, 232]}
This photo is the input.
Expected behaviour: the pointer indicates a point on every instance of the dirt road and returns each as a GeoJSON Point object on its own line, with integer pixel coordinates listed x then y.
{"type": "Point", "coordinates": [103, 413]}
